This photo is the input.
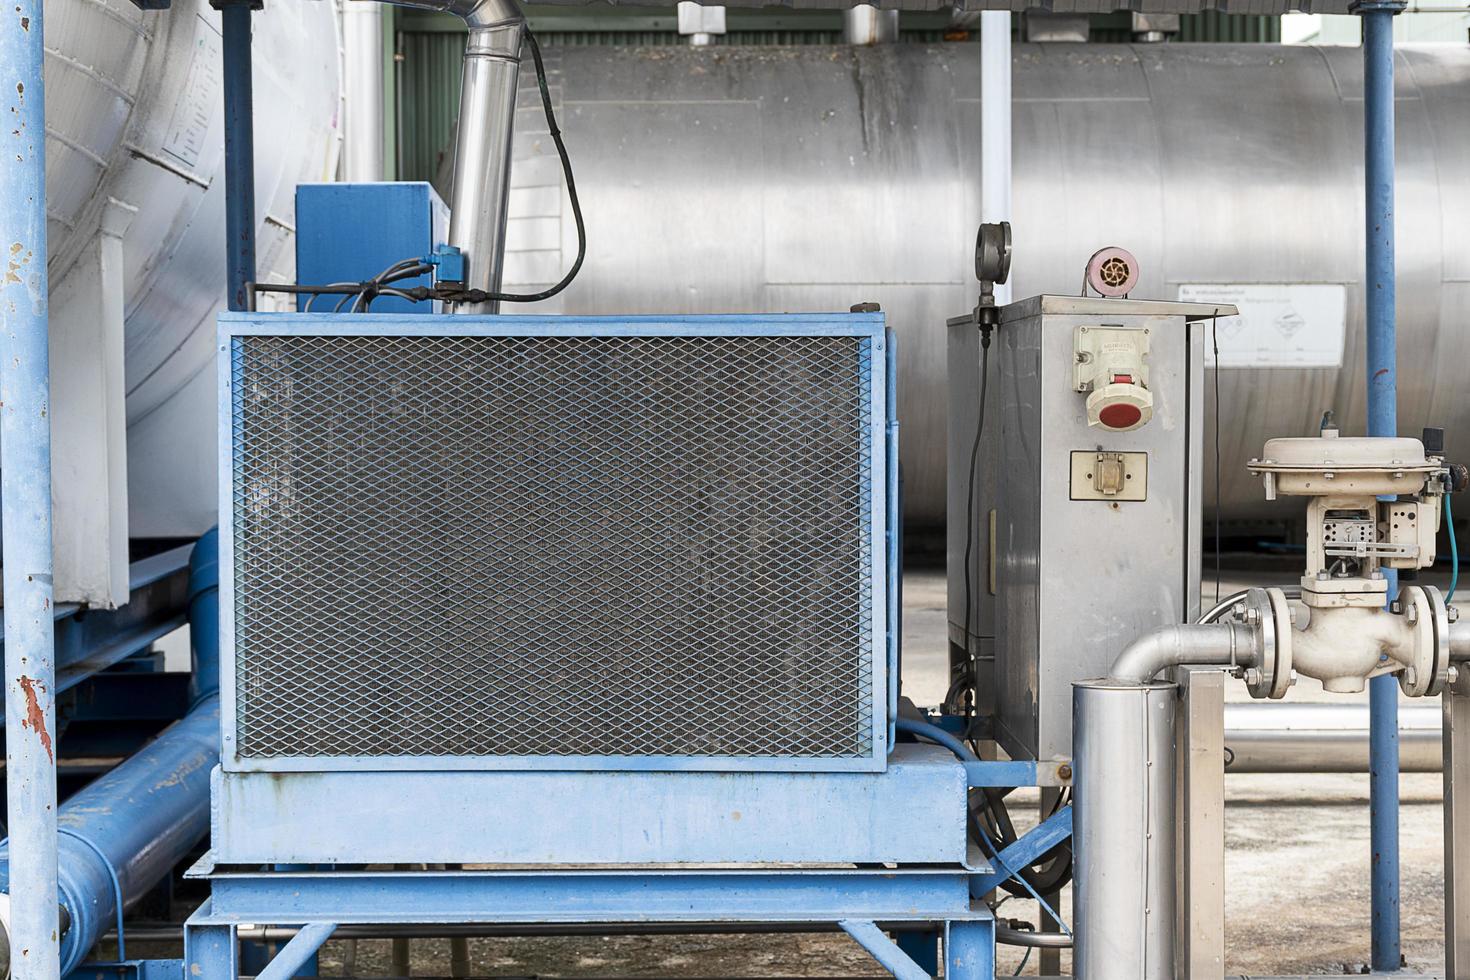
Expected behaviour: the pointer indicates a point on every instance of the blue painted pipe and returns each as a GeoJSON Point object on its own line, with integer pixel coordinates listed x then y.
{"type": "Point", "coordinates": [25, 487]}
{"type": "Point", "coordinates": [141, 819]}
{"type": "Point", "coordinates": [239, 151]}
{"type": "Point", "coordinates": [1383, 694]}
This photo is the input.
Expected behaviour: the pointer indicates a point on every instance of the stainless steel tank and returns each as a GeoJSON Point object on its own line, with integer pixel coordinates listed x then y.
{"type": "Point", "coordinates": [809, 178]}
{"type": "Point", "coordinates": [135, 114]}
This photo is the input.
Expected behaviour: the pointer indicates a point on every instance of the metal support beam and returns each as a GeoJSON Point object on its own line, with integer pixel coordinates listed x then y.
{"type": "Point", "coordinates": [25, 490]}
{"type": "Point", "coordinates": [1200, 737]}
{"type": "Point", "coordinates": [239, 150]}
{"type": "Point", "coordinates": [1379, 282]}
{"type": "Point", "coordinates": [1456, 706]}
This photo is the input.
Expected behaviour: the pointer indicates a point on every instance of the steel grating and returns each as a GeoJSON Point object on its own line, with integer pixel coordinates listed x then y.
{"type": "Point", "coordinates": [564, 546]}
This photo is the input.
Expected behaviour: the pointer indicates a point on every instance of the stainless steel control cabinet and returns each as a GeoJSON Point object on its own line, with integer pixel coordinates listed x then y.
{"type": "Point", "coordinates": [1084, 527]}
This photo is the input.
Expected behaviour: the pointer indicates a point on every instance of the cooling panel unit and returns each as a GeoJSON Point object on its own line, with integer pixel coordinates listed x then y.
{"type": "Point", "coordinates": [522, 542]}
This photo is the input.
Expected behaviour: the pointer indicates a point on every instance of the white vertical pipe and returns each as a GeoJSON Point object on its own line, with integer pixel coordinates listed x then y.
{"type": "Point", "coordinates": [995, 124]}
{"type": "Point", "coordinates": [362, 77]}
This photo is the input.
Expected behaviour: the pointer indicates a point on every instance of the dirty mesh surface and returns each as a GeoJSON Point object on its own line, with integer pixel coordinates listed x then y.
{"type": "Point", "coordinates": [552, 546]}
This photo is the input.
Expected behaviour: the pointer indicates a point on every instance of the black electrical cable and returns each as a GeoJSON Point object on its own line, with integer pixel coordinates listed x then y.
{"type": "Point", "coordinates": [1215, 343]}
{"type": "Point", "coordinates": [969, 674]}
{"type": "Point", "coordinates": [480, 296]}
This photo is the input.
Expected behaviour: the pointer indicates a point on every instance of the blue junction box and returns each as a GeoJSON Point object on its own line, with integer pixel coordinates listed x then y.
{"type": "Point", "coordinates": [352, 232]}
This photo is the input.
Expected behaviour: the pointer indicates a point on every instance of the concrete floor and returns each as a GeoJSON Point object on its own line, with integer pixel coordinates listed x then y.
{"type": "Point", "coordinates": [1297, 865]}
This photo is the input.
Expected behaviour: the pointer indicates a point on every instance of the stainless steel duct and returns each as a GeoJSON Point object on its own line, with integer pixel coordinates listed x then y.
{"type": "Point", "coordinates": [1123, 831]}
{"type": "Point", "coordinates": [487, 103]}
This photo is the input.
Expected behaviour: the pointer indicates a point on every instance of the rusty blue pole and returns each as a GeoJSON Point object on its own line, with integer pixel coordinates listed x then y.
{"type": "Point", "coordinates": [1382, 379]}
{"type": "Point", "coordinates": [25, 499]}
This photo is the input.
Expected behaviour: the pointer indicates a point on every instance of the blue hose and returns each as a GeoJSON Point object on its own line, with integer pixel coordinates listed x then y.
{"type": "Point", "coordinates": [1449, 520]}
{"type": "Point", "coordinates": [922, 729]}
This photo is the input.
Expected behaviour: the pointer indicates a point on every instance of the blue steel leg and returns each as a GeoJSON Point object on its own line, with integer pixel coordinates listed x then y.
{"type": "Point", "coordinates": [969, 950]}
{"type": "Point", "coordinates": [884, 950]}
{"type": "Point", "coordinates": [239, 150]}
{"type": "Point", "coordinates": [1379, 283]}
{"type": "Point", "coordinates": [25, 490]}
{"type": "Point", "coordinates": [211, 952]}
{"type": "Point", "coordinates": [923, 948]}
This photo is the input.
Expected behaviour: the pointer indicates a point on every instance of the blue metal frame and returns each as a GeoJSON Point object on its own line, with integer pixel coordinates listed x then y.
{"type": "Point", "coordinates": [857, 900]}
{"type": "Point", "coordinates": [883, 569]}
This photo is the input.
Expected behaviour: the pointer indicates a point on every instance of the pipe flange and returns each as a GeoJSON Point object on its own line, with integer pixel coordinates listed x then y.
{"type": "Point", "coordinates": [1425, 611]}
{"type": "Point", "coordinates": [1267, 611]}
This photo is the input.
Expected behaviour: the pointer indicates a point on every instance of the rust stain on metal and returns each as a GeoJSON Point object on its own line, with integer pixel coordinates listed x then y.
{"type": "Point", "coordinates": [35, 718]}
{"type": "Point", "coordinates": [25, 24]}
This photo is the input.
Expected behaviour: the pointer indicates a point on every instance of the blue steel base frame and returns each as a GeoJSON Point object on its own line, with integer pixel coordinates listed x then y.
{"type": "Point", "coordinates": [855, 900]}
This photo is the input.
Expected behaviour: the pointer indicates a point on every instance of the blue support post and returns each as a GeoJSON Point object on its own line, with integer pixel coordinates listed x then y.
{"type": "Point", "coordinates": [25, 490]}
{"type": "Point", "coordinates": [1382, 370]}
{"type": "Point", "coordinates": [239, 150]}
{"type": "Point", "coordinates": [211, 950]}
{"type": "Point", "coordinates": [969, 950]}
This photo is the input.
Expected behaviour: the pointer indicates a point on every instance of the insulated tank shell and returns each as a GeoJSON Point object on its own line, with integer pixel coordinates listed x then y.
{"type": "Point", "coordinates": [135, 114]}
{"type": "Point", "coordinates": [776, 179]}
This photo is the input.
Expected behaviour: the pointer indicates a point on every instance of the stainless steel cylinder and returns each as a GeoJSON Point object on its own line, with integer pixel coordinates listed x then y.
{"type": "Point", "coordinates": [492, 68]}
{"type": "Point", "coordinates": [1123, 831]}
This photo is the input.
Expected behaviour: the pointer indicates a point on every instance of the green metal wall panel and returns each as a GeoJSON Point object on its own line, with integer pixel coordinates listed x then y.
{"type": "Point", "coordinates": [428, 99]}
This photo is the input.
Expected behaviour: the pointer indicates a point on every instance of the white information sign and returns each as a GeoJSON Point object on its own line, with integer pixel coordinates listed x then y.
{"type": "Point", "coordinates": [1280, 324]}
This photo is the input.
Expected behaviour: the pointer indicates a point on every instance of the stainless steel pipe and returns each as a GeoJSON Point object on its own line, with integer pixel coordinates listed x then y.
{"type": "Point", "coordinates": [1266, 737]}
{"type": "Point", "coordinates": [487, 104]}
{"type": "Point", "coordinates": [1226, 644]}
{"type": "Point", "coordinates": [1123, 831]}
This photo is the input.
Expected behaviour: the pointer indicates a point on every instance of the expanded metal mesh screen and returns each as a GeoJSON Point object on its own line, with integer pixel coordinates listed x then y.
{"type": "Point", "coordinates": [553, 546]}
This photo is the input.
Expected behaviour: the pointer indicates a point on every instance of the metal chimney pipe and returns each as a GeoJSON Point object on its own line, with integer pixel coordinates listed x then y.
{"type": "Point", "coordinates": [492, 67]}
